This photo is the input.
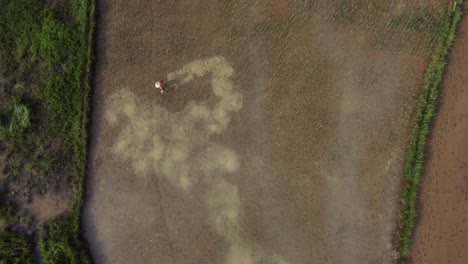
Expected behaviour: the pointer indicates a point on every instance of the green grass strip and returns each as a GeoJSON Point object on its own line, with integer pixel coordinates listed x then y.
{"type": "Point", "coordinates": [62, 238]}
{"type": "Point", "coordinates": [427, 106]}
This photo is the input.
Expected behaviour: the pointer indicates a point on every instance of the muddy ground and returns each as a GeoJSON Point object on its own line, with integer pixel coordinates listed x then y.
{"type": "Point", "coordinates": [281, 138]}
{"type": "Point", "coordinates": [442, 231]}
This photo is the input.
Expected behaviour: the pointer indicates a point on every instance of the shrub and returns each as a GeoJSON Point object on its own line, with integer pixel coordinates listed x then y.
{"type": "Point", "coordinates": [15, 120]}
{"type": "Point", "coordinates": [15, 249]}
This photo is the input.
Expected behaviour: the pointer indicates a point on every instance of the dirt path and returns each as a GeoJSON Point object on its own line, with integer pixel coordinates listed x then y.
{"type": "Point", "coordinates": [442, 231]}
{"type": "Point", "coordinates": [281, 138]}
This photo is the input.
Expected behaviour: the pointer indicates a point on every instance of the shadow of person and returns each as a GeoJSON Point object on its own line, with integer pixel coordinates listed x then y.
{"type": "Point", "coordinates": [174, 84]}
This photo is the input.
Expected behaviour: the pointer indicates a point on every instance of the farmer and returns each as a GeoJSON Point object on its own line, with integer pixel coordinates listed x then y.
{"type": "Point", "coordinates": [161, 86]}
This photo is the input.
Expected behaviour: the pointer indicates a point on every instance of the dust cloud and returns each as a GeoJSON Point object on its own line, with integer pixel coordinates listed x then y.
{"type": "Point", "coordinates": [177, 147]}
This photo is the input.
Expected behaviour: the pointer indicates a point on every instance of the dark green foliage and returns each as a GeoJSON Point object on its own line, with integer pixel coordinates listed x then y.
{"type": "Point", "coordinates": [15, 249]}
{"type": "Point", "coordinates": [7, 208]}
{"type": "Point", "coordinates": [58, 242]}
{"type": "Point", "coordinates": [15, 120]}
{"type": "Point", "coordinates": [427, 107]}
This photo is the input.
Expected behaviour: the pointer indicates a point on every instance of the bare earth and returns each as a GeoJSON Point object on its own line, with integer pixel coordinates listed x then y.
{"type": "Point", "coordinates": [442, 232]}
{"type": "Point", "coordinates": [48, 206]}
{"type": "Point", "coordinates": [281, 138]}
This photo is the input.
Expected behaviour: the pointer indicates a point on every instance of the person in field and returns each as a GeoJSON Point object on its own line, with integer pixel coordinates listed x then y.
{"type": "Point", "coordinates": [161, 85]}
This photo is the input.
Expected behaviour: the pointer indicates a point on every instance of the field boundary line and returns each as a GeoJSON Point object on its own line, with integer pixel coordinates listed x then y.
{"type": "Point", "coordinates": [428, 103]}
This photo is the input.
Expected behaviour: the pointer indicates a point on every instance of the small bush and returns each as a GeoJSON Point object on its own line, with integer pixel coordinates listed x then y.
{"type": "Point", "coordinates": [15, 120]}
{"type": "Point", "coordinates": [7, 208]}
{"type": "Point", "coordinates": [55, 244]}
{"type": "Point", "coordinates": [15, 249]}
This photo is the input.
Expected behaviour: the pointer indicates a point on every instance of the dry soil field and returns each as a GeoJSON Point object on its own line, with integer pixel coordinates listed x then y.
{"type": "Point", "coordinates": [281, 138]}
{"type": "Point", "coordinates": [442, 232]}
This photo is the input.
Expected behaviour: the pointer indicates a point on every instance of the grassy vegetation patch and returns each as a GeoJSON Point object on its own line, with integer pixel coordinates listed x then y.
{"type": "Point", "coordinates": [60, 243]}
{"type": "Point", "coordinates": [14, 120]}
{"type": "Point", "coordinates": [15, 249]}
{"type": "Point", "coordinates": [390, 26]}
{"type": "Point", "coordinates": [427, 107]}
{"type": "Point", "coordinates": [7, 208]}
{"type": "Point", "coordinates": [46, 50]}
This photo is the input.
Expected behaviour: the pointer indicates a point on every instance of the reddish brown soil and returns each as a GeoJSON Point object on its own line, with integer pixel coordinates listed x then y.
{"type": "Point", "coordinates": [442, 231]}
{"type": "Point", "coordinates": [281, 138]}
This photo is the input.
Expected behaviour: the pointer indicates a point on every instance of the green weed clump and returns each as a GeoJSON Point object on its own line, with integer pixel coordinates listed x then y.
{"type": "Point", "coordinates": [15, 249]}
{"type": "Point", "coordinates": [7, 208]}
{"type": "Point", "coordinates": [427, 107]}
{"type": "Point", "coordinates": [59, 243]}
{"type": "Point", "coordinates": [15, 120]}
